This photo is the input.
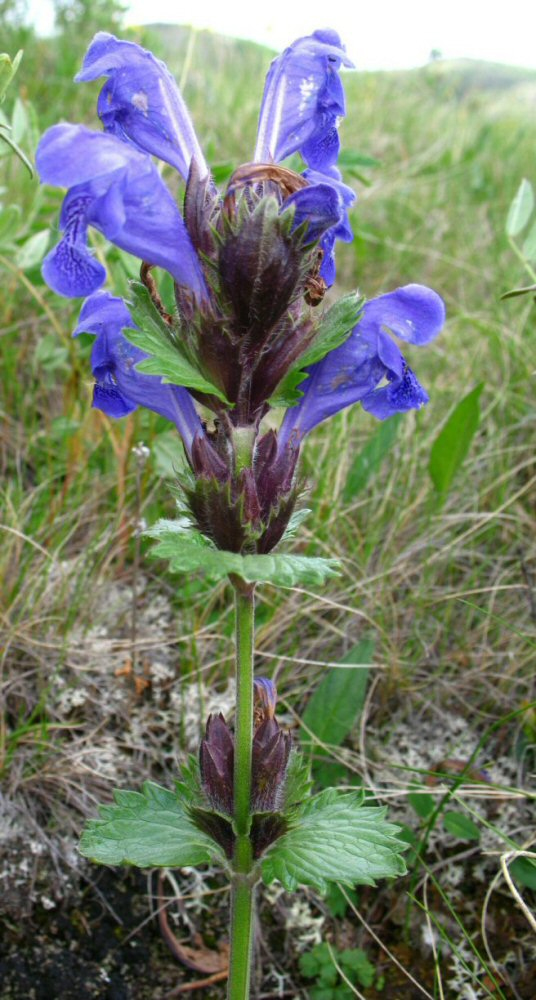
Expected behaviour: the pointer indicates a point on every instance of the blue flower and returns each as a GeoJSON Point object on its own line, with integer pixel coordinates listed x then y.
{"type": "Point", "coordinates": [369, 368]}
{"type": "Point", "coordinates": [115, 187]}
{"type": "Point", "coordinates": [119, 387]}
{"type": "Point", "coordinates": [141, 103]}
{"type": "Point", "coordinates": [302, 106]}
{"type": "Point", "coordinates": [119, 191]}
{"type": "Point", "coordinates": [303, 101]}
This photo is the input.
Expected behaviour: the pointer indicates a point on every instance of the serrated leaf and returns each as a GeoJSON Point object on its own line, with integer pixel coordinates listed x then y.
{"type": "Point", "coordinates": [354, 960]}
{"type": "Point", "coordinates": [31, 253]}
{"type": "Point", "coordinates": [369, 459]}
{"type": "Point", "coordinates": [529, 246]}
{"type": "Point", "coordinates": [335, 839]}
{"type": "Point", "coordinates": [149, 829]}
{"type": "Point", "coordinates": [521, 208]}
{"type": "Point", "coordinates": [452, 444]}
{"type": "Point", "coordinates": [165, 358]}
{"type": "Point", "coordinates": [188, 552]}
{"type": "Point", "coordinates": [334, 329]}
{"type": "Point", "coordinates": [460, 826]}
{"type": "Point", "coordinates": [336, 901]}
{"type": "Point", "coordinates": [297, 781]}
{"type": "Point", "coordinates": [337, 701]}
{"type": "Point", "coordinates": [296, 521]}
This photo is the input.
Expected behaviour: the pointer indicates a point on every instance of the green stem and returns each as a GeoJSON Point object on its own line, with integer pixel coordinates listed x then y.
{"type": "Point", "coordinates": [242, 882]}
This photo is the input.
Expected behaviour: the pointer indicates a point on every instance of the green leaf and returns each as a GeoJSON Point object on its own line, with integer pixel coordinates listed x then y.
{"type": "Point", "coordinates": [31, 253]}
{"type": "Point", "coordinates": [336, 901]}
{"type": "Point", "coordinates": [148, 829]}
{"type": "Point", "coordinates": [9, 223]}
{"type": "Point", "coordinates": [166, 358]}
{"type": "Point", "coordinates": [349, 158]}
{"type": "Point", "coordinates": [335, 839]}
{"type": "Point", "coordinates": [523, 870]}
{"type": "Point", "coordinates": [460, 826]}
{"type": "Point", "coordinates": [296, 521]}
{"type": "Point", "coordinates": [297, 781]}
{"type": "Point", "coordinates": [19, 121]}
{"type": "Point", "coordinates": [514, 292]}
{"type": "Point", "coordinates": [520, 210]}
{"type": "Point", "coordinates": [8, 69]}
{"type": "Point", "coordinates": [369, 459]}
{"type": "Point", "coordinates": [189, 552]}
{"type": "Point", "coordinates": [423, 803]}
{"type": "Point", "coordinates": [529, 246]}
{"type": "Point", "coordinates": [338, 700]}
{"type": "Point", "coordinates": [355, 961]}
{"type": "Point", "coordinates": [335, 327]}
{"type": "Point", "coordinates": [452, 444]}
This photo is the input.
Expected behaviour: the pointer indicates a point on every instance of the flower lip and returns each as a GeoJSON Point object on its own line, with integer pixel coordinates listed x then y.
{"type": "Point", "coordinates": [120, 192]}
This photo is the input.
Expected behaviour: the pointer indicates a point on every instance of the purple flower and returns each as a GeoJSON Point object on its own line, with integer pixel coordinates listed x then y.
{"type": "Point", "coordinates": [115, 187]}
{"type": "Point", "coordinates": [369, 368]}
{"type": "Point", "coordinates": [302, 105]}
{"type": "Point", "coordinates": [119, 387]}
{"type": "Point", "coordinates": [118, 190]}
{"type": "Point", "coordinates": [141, 103]}
{"type": "Point", "coordinates": [303, 101]}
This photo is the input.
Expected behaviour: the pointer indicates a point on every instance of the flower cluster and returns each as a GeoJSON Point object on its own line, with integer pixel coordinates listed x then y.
{"type": "Point", "coordinates": [271, 748]}
{"type": "Point", "coordinates": [250, 267]}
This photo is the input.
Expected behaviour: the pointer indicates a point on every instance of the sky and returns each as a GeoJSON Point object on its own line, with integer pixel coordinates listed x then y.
{"type": "Point", "coordinates": [386, 34]}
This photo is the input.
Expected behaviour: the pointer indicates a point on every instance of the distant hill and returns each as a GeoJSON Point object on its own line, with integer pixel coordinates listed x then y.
{"type": "Point", "coordinates": [461, 75]}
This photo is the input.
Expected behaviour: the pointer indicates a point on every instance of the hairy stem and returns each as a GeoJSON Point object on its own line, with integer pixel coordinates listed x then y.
{"type": "Point", "coordinates": [241, 884]}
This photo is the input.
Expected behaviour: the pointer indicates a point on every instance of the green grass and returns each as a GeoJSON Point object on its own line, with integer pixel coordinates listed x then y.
{"type": "Point", "coordinates": [445, 591]}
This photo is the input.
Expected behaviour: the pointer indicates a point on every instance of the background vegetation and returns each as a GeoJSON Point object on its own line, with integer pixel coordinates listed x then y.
{"type": "Point", "coordinates": [413, 674]}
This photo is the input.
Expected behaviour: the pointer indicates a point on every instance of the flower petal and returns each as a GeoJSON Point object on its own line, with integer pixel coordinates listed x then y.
{"type": "Point", "coordinates": [353, 372]}
{"type": "Point", "coordinates": [342, 229]}
{"type": "Point", "coordinates": [125, 198]}
{"type": "Point", "coordinates": [414, 313]}
{"type": "Point", "coordinates": [141, 103]}
{"type": "Point", "coordinates": [303, 100]}
{"type": "Point", "coordinates": [319, 205]}
{"type": "Point", "coordinates": [399, 395]}
{"type": "Point", "coordinates": [120, 388]}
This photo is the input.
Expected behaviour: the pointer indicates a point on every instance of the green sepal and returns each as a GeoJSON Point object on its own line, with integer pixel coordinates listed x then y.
{"type": "Point", "coordinates": [335, 838]}
{"type": "Point", "coordinates": [187, 551]}
{"type": "Point", "coordinates": [148, 829]}
{"type": "Point", "coordinates": [335, 328]}
{"type": "Point", "coordinates": [155, 337]}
